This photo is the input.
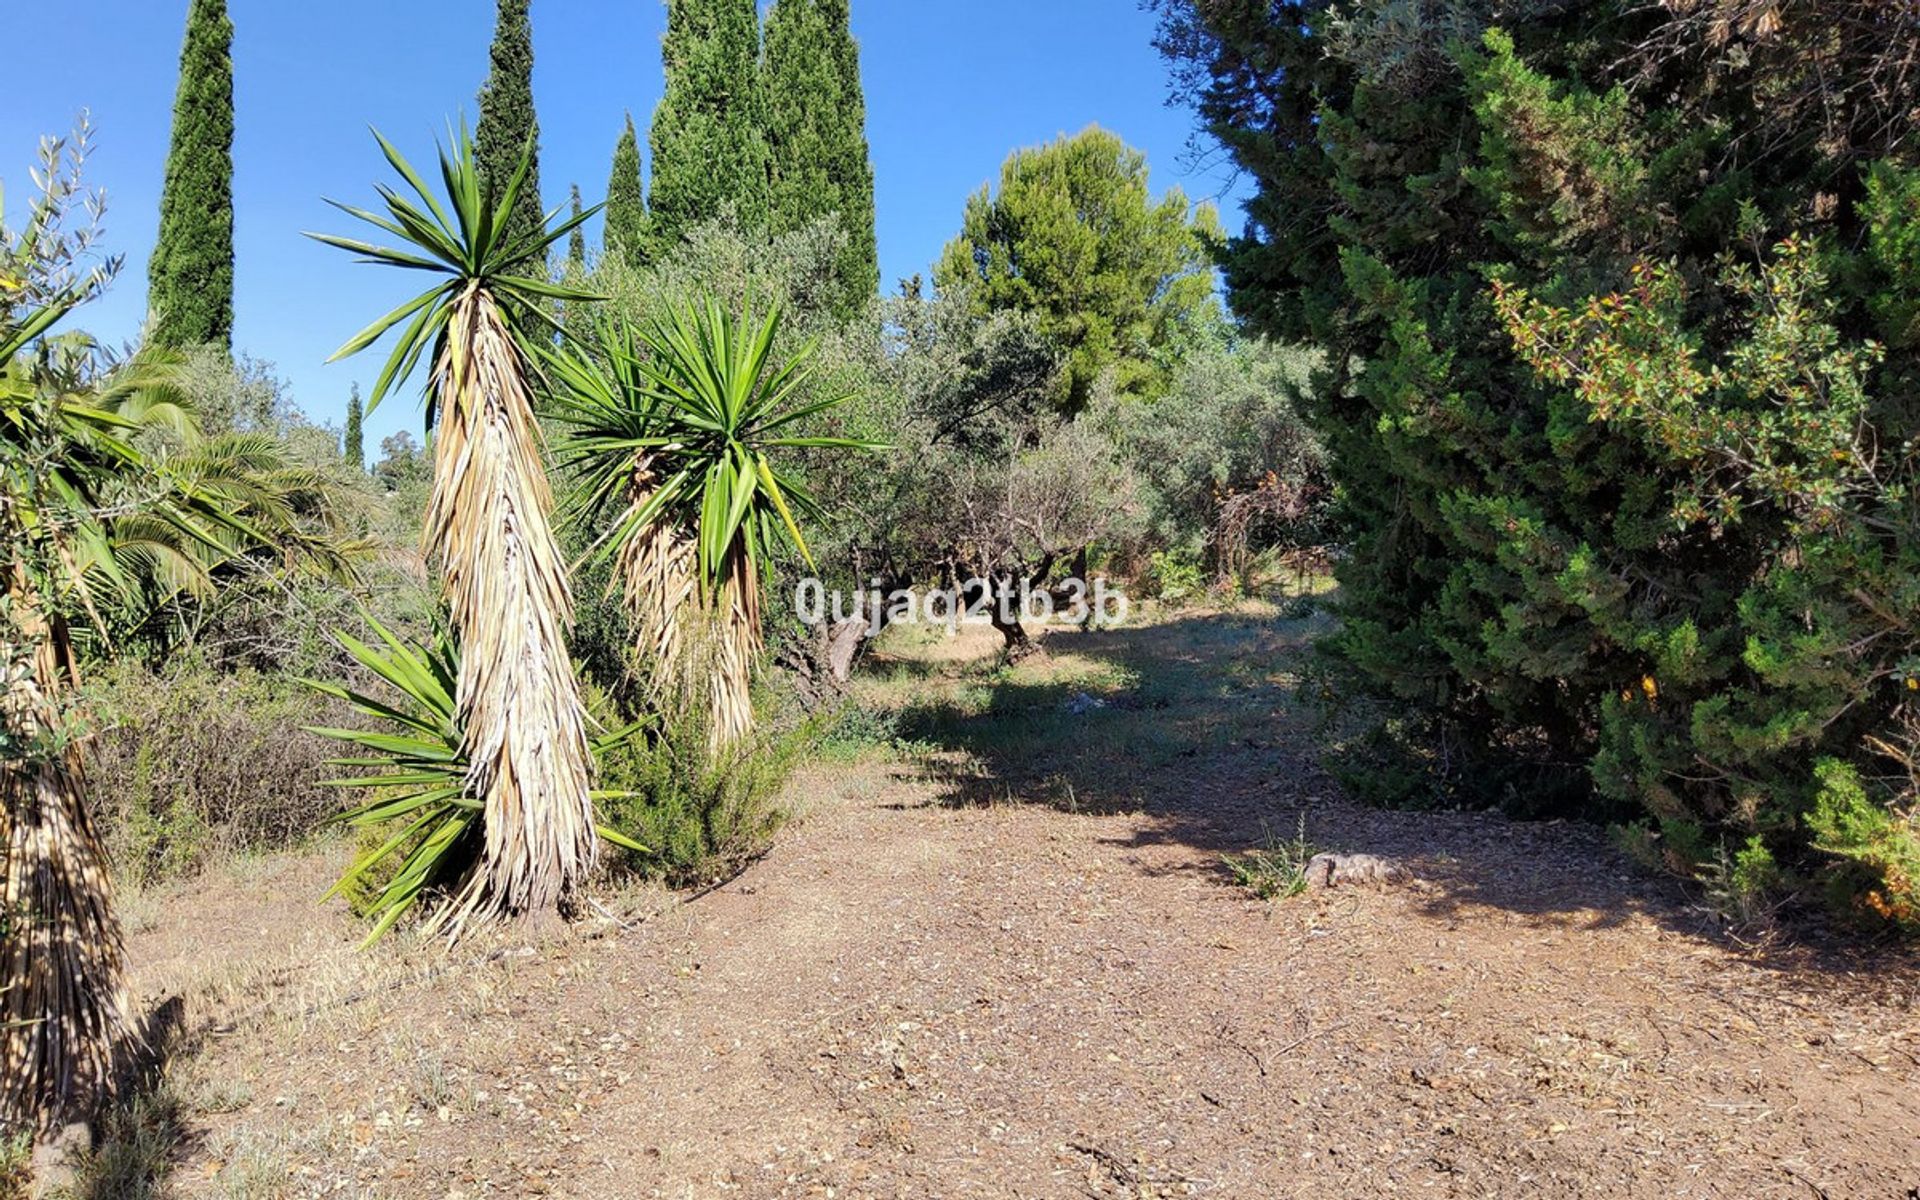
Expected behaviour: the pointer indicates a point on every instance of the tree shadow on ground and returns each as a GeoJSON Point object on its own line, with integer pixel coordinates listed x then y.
{"type": "Point", "coordinates": [142, 1132]}
{"type": "Point", "coordinates": [1197, 725]}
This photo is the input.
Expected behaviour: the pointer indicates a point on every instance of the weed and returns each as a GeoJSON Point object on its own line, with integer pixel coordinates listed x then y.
{"type": "Point", "coordinates": [16, 1160]}
{"type": "Point", "coordinates": [1276, 871]}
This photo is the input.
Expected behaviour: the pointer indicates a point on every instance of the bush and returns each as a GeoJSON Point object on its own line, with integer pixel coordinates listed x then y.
{"type": "Point", "coordinates": [190, 764]}
{"type": "Point", "coordinates": [1883, 846]}
{"type": "Point", "coordinates": [701, 817]}
{"type": "Point", "coordinates": [1177, 576]}
{"type": "Point", "coordinates": [1619, 401]}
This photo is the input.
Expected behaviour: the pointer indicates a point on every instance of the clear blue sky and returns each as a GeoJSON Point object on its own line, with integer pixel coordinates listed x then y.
{"type": "Point", "coordinates": [951, 86]}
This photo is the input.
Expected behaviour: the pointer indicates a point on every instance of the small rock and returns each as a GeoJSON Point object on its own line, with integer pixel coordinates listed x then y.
{"type": "Point", "coordinates": [1347, 870]}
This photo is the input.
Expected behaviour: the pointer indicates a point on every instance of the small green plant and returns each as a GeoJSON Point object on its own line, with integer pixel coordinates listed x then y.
{"type": "Point", "coordinates": [1177, 575]}
{"type": "Point", "coordinates": [1744, 886]}
{"type": "Point", "coordinates": [16, 1160]}
{"type": "Point", "coordinates": [1880, 844]}
{"type": "Point", "coordinates": [705, 811]}
{"type": "Point", "coordinates": [1276, 871]}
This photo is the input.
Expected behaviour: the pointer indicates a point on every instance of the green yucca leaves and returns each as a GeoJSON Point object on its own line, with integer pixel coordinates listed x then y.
{"type": "Point", "coordinates": [416, 765]}
{"type": "Point", "coordinates": [698, 395]}
{"type": "Point", "coordinates": [466, 238]}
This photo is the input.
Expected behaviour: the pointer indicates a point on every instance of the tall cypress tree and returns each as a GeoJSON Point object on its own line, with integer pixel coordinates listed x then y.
{"type": "Point", "coordinates": [507, 120]}
{"type": "Point", "coordinates": [354, 446]}
{"type": "Point", "coordinates": [626, 207]}
{"type": "Point", "coordinates": [190, 277]}
{"type": "Point", "coordinates": [577, 240]}
{"type": "Point", "coordinates": [817, 135]}
{"type": "Point", "coordinates": [709, 138]}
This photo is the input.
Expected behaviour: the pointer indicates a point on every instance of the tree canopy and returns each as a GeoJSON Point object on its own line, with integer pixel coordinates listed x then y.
{"type": "Point", "coordinates": [1074, 237]}
{"type": "Point", "coordinates": [626, 228]}
{"type": "Point", "coordinates": [817, 137]}
{"type": "Point", "coordinates": [508, 123]}
{"type": "Point", "coordinates": [709, 136]}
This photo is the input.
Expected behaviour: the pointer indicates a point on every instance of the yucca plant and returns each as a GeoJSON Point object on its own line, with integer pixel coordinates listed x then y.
{"type": "Point", "coordinates": [488, 523]}
{"type": "Point", "coordinates": [677, 426]}
{"type": "Point", "coordinates": [419, 766]}
{"type": "Point", "coordinates": [69, 468]}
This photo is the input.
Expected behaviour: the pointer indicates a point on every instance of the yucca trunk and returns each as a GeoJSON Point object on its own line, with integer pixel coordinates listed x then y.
{"type": "Point", "coordinates": [488, 520]}
{"type": "Point", "coordinates": [657, 584]}
{"type": "Point", "coordinates": [736, 643]}
{"type": "Point", "coordinates": [63, 1002]}
{"type": "Point", "coordinates": [656, 568]}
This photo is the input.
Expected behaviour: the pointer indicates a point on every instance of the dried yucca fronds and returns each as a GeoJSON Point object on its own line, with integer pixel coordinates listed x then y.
{"type": "Point", "coordinates": [680, 423]}
{"type": "Point", "coordinates": [62, 1000]}
{"type": "Point", "coordinates": [654, 570]}
{"type": "Point", "coordinates": [507, 592]}
{"type": "Point", "coordinates": [489, 526]}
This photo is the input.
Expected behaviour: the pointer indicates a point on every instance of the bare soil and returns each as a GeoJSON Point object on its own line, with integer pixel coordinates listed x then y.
{"type": "Point", "coordinates": [1004, 958]}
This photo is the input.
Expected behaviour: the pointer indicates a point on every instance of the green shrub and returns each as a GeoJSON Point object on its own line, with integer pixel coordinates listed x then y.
{"type": "Point", "coordinates": [1885, 846]}
{"type": "Point", "coordinates": [1177, 575]}
{"type": "Point", "coordinates": [1618, 398]}
{"type": "Point", "coordinates": [190, 763]}
{"type": "Point", "coordinates": [701, 817]}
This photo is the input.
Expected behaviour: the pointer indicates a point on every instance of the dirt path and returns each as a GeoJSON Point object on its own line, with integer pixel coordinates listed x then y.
{"type": "Point", "coordinates": [1006, 961]}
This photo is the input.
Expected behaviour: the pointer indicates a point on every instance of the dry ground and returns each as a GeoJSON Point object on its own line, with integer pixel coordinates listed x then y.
{"type": "Point", "coordinates": [1003, 958]}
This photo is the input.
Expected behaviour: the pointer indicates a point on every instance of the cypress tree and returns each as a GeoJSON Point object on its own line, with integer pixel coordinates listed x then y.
{"type": "Point", "coordinates": [507, 119]}
{"type": "Point", "coordinates": [577, 240]}
{"type": "Point", "coordinates": [709, 137]}
{"type": "Point", "coordinates": [355, 446]}
{"type": "Point", "coordinates": [626, 207]}
{"type": "Point", "coordinates": [817, 135]}
{"type": "Point", "coordinates": [190, 277]}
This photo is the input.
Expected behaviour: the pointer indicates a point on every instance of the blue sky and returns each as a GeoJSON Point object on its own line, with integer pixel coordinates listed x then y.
{"type": "Point", "coordinates": [951, 86]}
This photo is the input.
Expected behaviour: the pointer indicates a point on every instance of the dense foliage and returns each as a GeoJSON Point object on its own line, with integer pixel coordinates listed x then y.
{"type": "Point", "coordinates": [1113, 277]}
{"type": "Point", "coordinates": [190, 277]}
{"type": "Point", "coordinates": [353, 443]}
{"type": "Point", "coordinates": [508, 126]}
{"type": "Point", "coordinates": [709, 134]}
{"type": "Point", "coordinates": [817, 137]}
{"type": "Point", "coordinates": [1618, 306]}
{"type": "Point", "coordinates": [626, 228]}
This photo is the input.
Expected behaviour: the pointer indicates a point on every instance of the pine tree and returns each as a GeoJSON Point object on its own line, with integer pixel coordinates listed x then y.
{"type": "Point", "coordinates": [354, 446]}
{"type": "Point", "coordinates": [577, 240]}
{"type": "Point", "coordinates": [190, 277]}
{"type": "Point", "coordinates": [626, 230]}
{"type": "Point", "coordinates": [709, 137]}
{"type": "Point", "coordinates": [1113, 276]}
{"type": "Point", "coordinates": [816, 135]}
{"type": "Point", "coordinates": [507, 119]}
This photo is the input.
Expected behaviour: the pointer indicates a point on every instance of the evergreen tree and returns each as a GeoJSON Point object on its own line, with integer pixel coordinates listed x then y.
{"type": "Point", "coordinates": [816, 135]}
{"type": "Point", "coordinates": [1073, 237]}
{"type": "Point", "coordinates": [507, 119]}
{"type": "Point", "coordinates": [190, 277]}
{"type": "Point", "coordinates": [1615, 326]}
{"type": "Point", "coordinates": [709, 132]}
{"type": "Point", "coordinates": [354, 446]}
{"type": "Point", "coordinates": [577, 240]}
{"type": "Point", "coordinates": [626, 229]}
